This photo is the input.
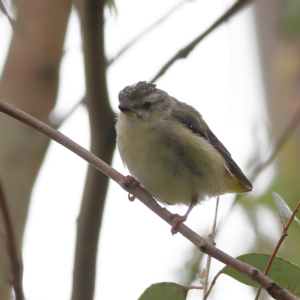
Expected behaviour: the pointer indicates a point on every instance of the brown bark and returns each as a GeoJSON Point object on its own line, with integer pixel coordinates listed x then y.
{"type": "Point", "coordinates": [102, 144]}
{"type": "Point", "coordinates": [30, 82]}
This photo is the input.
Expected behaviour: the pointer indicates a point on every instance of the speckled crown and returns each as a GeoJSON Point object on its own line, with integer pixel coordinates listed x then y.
{"type": "Point", "coordinates": [137, 91]}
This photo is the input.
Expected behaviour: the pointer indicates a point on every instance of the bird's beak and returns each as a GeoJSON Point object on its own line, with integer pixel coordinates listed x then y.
{"type": "Point", "coordinates": [125, 109]}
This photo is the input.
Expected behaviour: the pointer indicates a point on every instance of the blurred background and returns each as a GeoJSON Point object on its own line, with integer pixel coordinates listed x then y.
{"type": "Point", "coordinates": [61, 61]}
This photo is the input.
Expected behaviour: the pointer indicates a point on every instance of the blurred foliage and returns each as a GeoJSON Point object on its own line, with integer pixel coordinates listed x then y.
{"type": "Point", "coordinates": [111, 5]}
{"type": "Point", "coordinates": [291, 17]}
{"type": "Point", "coordinates": [192, 267]}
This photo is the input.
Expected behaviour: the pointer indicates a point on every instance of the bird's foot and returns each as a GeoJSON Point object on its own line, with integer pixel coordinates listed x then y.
{"type": "Point", "coordinates": [130, 182]}
{"type": "Point", "coordinates": [177, 221]}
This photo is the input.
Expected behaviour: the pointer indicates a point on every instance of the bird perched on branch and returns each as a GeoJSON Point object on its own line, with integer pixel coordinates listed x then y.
{"type": "Point", "coordinates": [168, 147]}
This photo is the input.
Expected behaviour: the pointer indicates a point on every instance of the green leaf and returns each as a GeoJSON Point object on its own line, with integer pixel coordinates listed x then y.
{"type": "Point", "coordinates": [165, 291]}
{"type": "Point", "coordinates": [282, 271]}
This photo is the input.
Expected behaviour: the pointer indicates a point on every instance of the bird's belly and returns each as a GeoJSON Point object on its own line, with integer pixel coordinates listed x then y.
{"type": "Point", "coordinates": [167, 187]}
{"type": "Point", "coordinates": [172, 170]}
{"type": "Point", "coordinates": [153, 166]}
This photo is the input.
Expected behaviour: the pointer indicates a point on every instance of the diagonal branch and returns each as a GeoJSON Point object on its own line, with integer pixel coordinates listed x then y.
{"type": "Point", "coordinates": [151, 27]}
{"type": "Point", "coordinates": [61, 139]}
{"type": "Point", "coordinates": [184, 52]}
{"type": "Point", "coordinates": [139, 192]}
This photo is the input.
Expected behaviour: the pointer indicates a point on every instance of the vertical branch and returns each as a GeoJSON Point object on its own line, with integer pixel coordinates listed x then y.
{"type": "Point", "coordinates": [16, 264]}
{"type": "Point", "coordinates": [102, 144]}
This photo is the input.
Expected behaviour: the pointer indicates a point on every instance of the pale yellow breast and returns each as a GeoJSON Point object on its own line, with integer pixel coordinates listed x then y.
{"type": "Point", "coordinates": [172, 163]}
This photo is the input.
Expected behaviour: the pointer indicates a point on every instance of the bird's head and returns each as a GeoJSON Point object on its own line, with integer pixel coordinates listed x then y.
{"type": "Point", "coordinates": [143, 100]}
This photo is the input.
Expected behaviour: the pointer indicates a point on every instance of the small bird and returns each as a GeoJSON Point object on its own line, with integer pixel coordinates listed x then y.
{"type": "Point", "coordinates": [168, 147]}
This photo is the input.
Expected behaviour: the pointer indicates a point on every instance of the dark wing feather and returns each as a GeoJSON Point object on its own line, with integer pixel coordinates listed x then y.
{"type": "Point", "coordinates": [193, 120]}
{"type": "Point", "coordinates": [233, 167]}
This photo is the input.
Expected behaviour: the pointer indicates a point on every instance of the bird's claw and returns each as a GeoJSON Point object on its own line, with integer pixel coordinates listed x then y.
{"type": "Point", "coordinates": [177, 221]}
{"type": "Point", "coordinates": [131, 197]}
{"type": "Point", "coordinates": [130, 182]}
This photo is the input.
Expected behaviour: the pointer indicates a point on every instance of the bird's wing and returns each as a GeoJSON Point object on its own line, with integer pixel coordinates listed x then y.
{"type": "Point", "coordinates": [192, 119]}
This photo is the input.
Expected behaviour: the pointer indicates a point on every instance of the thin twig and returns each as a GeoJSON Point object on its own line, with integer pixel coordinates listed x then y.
{"type": "Point", "coordinates": [184, 52]}
{"type": "Point", "coordinates": [211, 239]}
{"type": "Point", "coordinates": [281, 221]}
{"type": "Point", "coordinates": [151, 27]}
{"type": "Point", "coordinates": [213, 283]}
{"type": "Point", "coordinates": [16, 262]}
{"type": "Point", "coordinates": [195, 287]}
{"type": "Point", "coordinates": [284, 234]}
{"type": "Point", "coordinates": [140, 193]}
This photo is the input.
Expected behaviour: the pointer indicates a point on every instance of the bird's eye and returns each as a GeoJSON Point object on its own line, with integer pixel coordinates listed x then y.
{"type": "Point", "coordinates": [147, 105]}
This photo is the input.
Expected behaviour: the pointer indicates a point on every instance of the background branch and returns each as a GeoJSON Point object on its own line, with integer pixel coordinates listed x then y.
{"type": "Point", "coordinates": [103, 139]}
{"type": "Point", "coordinates": [184, 52]}
{"type": "Point", "coordinates": [139, 192]}
{"type": "Point", "coordinates": [151, 27]}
